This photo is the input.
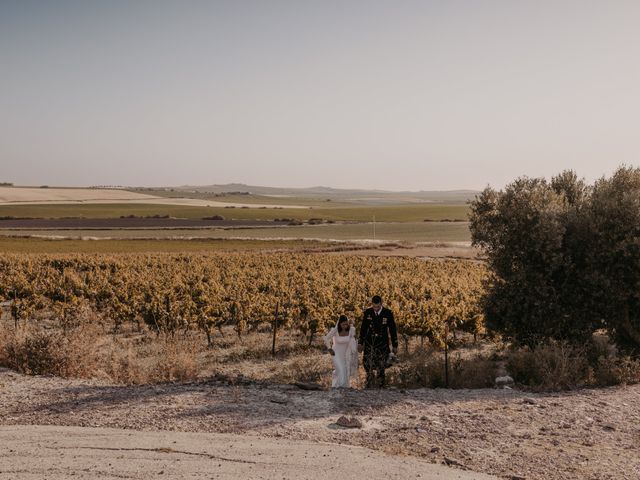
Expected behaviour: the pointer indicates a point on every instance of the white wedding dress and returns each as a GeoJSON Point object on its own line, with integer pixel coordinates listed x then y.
{"type": "Point", "coordinates": [345, 360]}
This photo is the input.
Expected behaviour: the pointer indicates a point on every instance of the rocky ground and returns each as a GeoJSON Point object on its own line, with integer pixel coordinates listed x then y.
{"type": "Point", "coordinates": [587, 434]}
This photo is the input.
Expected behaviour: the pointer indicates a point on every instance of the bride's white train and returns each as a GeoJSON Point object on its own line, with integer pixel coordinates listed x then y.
{"type": "Point", "coordinates": [341, 342]}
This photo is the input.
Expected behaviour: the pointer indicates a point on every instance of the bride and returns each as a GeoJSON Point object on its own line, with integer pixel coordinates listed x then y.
{"type": "Point", "coordinates": [343, 347]}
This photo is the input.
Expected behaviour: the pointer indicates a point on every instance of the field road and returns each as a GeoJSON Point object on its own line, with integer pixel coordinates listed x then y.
{"type": "Point", "coordinates": [60, 453]}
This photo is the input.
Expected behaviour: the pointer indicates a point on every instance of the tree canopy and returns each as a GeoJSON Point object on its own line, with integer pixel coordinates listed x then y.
{"type": "Point", "coordinates": [565, 257]}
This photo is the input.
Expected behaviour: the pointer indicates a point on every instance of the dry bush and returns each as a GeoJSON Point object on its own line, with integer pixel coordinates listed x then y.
{"type": "Point", "coordinates": [422, 368]}
{"type": "Point", "coordinates": [5, 339]}
{"type": "Point", "coordinates": [37, 351]}
{"type": "Point", "coordinates": [140, 361]}
{"type": "Point", "coordinates": [609, 368]}
{"type": "Point", "coordinates": [123, 365]}
{"type": "Point", "coordinates": [302, 369]}
{"type": "Point", "coordinates": [426, 368]}
{"type": "Point", "coordinates": [616, 371]}
{"type": "Point", "coordinates": [474, 372]}
{"type": "Point", "coordinates": [176, 360]}
{"type": "Point", "coordinates": [256, 346]}
{"type": "Point", "coordinates": [550, 366]}
{"type": "Point", "coordinates": [560, 366]}
{"type": "Point", "coordinates": [86, 352]}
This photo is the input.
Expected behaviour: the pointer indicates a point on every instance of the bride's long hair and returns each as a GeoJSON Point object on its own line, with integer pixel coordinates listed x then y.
{"type": "Point", "coordinates": [342, 319]}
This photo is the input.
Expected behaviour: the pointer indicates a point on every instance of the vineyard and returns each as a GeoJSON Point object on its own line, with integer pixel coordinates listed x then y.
{"type": "Point", "coordinates": [179, 293]}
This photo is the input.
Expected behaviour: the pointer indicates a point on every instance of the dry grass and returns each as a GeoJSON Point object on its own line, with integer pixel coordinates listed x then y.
{"type": "Point", "coordinates": [549, 366]}
{"type": "Point", "coordinates": [38, 351]}
{"type": "Point", "coordinates": [426, 368]}
{"type": "Point", "coordinates": [142, 357]}
{"type": "Point", "coordinates": [89, 352]}
{"type": "Point", "coordinates": [555, 366]}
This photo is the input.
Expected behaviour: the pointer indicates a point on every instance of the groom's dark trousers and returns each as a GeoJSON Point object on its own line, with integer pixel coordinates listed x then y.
{"type": "Point", "coordinates": [375, 333]}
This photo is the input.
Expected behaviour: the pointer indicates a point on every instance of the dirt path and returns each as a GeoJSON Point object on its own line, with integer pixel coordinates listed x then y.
{"type": "Point", "coordinates": [58, 453]}
{"type": "Point", "coordinates": [587, 434]}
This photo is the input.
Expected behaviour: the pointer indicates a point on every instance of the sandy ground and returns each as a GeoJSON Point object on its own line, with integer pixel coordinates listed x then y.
{"type": "Point", "coordinates": [586, 434]}
{"type": "Point", "coordinates": [457, 250]}
{"type": "Point", "coordinates": [52, 196]}
{"type": "Point", "coordinates": [11, 195]}
{"type": "Point", "coordinates": [58, 453]}
{"type": "Point", "coordinates": [56, 224]}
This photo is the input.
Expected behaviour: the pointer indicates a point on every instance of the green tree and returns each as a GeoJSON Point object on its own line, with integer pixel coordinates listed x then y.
{"type": "Point", "coordinates": [613, 218]}
{"type": "Point", "coordinates": [523, 231]}
{"type": "Point", "coordinates": [564, 257]}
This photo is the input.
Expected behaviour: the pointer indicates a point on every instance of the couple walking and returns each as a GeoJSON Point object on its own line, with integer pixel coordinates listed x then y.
{"type": "Point", "coordinates": [378, 327]}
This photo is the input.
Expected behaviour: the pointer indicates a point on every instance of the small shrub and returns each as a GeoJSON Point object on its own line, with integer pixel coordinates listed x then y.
{"type": "Point", "coordinates": [550, 366]}
{"type": "Point", "coordinates": [420, 369]}
{"type": "Point", "coordinates": [611, 371]}
{"type": "Point", "coordinates": [32, 354]}
{"type": "Point", "coordinates": [426, 368]}
{"type": "Point", "coordinates": [123, 366]}
{"type": "Point", "coordinates": [176, 361]}
{"type": "Point", "coordinates": [303, 369]}
{"type": "Point", "coordinates": [560, 365]}
{"type": "Point", "coordinates": [35, 351]}
{"type": "Point", "coordinates": [608, 367]}
{"type": "Point", "coordinates": [474, 372]}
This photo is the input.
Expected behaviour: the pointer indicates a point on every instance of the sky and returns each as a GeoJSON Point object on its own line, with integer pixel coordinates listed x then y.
{"type": "Point", "coordinates": [395, 95]}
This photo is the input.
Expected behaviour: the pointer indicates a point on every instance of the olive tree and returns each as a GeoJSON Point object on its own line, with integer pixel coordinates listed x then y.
{"type": "Point", "coordinates": [523, 231]}
{"type": "Point", "coordinates": [564, 256]}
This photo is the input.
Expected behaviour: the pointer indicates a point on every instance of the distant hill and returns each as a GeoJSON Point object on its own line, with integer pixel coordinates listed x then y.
{"type": "Point", "coordinates": [368, 196]}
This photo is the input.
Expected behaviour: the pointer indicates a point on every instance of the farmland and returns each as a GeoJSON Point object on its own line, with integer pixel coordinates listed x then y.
{"type": "Point", "coordinates": [244, 289]}
{"type": "Point", "coordinates": [12, 244]}
{"type": "Point", "coordinates": [409, 232]}
{"type": "Point", "coordinates": [332, 216]}
{"type": "Point", "coordinates": [365, 213]}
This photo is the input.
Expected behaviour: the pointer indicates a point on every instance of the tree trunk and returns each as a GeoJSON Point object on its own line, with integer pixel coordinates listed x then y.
{"type": "Point", "coordinates": [631, 332]}
{"type": "Point", "coordinates": [275, 330]}
{"type": "Point", "coordinates": [405, 340]}
{"type": "Point", "coordinates": [446, 356]}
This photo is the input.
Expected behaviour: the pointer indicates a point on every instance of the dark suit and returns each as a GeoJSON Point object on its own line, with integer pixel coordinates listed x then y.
{"type": "Point", "coordinates": [375, 333]}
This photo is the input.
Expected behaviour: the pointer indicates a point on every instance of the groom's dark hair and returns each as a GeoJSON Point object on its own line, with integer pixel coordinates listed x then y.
{"type": "Point", "coordinates": [376, 300]}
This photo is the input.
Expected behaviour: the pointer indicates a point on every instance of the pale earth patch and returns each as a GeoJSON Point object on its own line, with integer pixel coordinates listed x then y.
{"type": "Point", "coordinates": [55, 196]}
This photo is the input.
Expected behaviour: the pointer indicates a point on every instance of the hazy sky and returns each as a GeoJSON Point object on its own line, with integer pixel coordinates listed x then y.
{"type": "Point", "coordinates": [371, 94]}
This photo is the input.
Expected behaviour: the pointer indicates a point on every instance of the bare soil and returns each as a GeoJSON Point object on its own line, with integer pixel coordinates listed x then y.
{"type": "Point", "coordinates": [444, 251]}
{"type": "Point", "coordinates": [53, 196]}
{"type": "Point", "coordinates": [58, 453]}
{"type": "Point", "coordinates": [586, 434]}
{"type": "Point", "coordinates": [109, 223]}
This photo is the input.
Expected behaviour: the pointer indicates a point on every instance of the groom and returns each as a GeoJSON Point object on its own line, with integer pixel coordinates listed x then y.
{"type": "Point", "coordinates": [377, 325]}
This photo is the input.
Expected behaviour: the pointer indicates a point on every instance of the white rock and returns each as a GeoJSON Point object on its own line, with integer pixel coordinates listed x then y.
{"type": "Point", "coordinates": [505, 381]}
